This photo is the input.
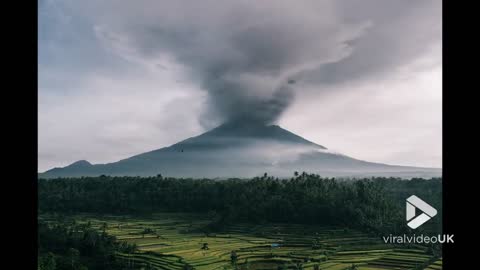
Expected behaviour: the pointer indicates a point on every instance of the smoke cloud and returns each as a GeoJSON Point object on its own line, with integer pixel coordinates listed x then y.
{"type": "Point", "coordinates": [248, 56]}
{"type": "Point", "coordinates": [252, 57]}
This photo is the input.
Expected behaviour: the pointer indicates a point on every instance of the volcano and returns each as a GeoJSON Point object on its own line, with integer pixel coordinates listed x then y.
{"type": "Point", "coordinates": [241, 150]}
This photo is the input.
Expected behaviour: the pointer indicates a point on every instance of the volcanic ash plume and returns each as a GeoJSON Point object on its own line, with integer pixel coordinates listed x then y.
{"type": "Point", "coordinates": [246, 55]}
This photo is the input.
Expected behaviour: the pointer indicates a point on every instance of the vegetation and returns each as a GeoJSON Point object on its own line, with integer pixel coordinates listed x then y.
{"type": "Point", "coordinates": [68, 245]}
{"type": "Point", "coordinates": [243, 246]}
{"type": "Point", "coordinates": [375, 205]}
{"type": "Point", "coordinates": [306, 222]}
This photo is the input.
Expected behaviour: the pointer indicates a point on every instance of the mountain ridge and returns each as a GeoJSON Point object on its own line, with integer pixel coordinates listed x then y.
{"type": "Point", "coordinates": [239, 150]}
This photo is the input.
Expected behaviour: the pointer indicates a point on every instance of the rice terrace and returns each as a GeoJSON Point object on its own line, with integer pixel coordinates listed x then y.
{"type": "Point", "coordinates": [176, 241]}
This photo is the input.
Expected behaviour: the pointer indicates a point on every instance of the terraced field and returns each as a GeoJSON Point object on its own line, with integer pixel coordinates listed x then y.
{"type": "Point", "coordinates": [175, 241]}
{"type": "Point", "coordinates": [435, 265]}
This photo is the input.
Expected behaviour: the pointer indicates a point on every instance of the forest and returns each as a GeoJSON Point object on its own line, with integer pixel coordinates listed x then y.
{"type": "Point", "coordinates": [373, 205]}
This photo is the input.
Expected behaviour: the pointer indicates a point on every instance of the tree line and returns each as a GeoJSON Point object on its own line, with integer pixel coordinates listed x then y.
{"type": "Point", "coordinates": [371, 204]}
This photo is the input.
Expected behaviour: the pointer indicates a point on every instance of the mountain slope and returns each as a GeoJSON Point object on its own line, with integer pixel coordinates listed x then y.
{"type": "Point", "coordinates": [240, 150]}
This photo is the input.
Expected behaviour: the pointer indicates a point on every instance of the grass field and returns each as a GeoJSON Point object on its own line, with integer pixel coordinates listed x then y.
{"type": "Point", "coordinates": [173, 241]}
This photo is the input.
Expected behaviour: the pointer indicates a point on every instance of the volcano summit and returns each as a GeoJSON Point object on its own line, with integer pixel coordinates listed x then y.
{"type": "Point", "coordinates": [240, 150]}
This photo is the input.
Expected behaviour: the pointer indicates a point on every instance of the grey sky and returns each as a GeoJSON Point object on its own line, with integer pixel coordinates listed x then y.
{"type": "Point", "coordinates": [117, 78]}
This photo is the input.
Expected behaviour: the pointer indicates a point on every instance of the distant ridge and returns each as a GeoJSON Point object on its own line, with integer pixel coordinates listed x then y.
{"type": "Point", "coordinates": [240, 150]}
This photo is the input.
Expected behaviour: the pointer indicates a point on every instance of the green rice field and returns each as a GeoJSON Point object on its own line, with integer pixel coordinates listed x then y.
{"type": "Point", "coordinates": [175, 241]}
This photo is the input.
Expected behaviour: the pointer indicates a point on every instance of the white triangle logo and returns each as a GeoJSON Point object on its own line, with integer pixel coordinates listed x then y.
{"type": "Point", "coordinates": [413, 202]}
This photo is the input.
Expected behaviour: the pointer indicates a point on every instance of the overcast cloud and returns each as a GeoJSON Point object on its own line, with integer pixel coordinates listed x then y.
{"type": "Point", "coordinates": [118, 78]}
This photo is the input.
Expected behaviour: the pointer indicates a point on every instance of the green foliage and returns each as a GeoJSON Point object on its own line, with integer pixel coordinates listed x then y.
{"type": "Point", "coordinates": [373, 205]}
{"type": "Point", "coordinates": [67, 245]}
{"type": "Point", "coordinates": [178, 249]}
{"type": "Point", "coordinates": [47, 262]}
